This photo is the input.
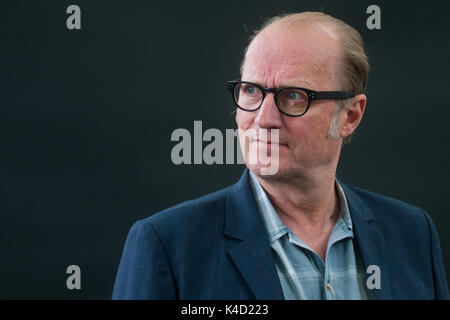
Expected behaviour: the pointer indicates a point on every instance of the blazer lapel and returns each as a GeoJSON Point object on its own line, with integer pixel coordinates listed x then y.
{"type": "Point", "coordinates": [252, 253]}
{"type": "Point", "coordinates": [370, 241]}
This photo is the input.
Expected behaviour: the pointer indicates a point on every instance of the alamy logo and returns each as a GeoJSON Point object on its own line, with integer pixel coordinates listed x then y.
{"type": "Point", "coordinates": [259, 147]}
{"type": "Point", "coordinates": [374, 280]}
{"type": "Point", "coordinates": [74, 20]}
{"type": "Point", "coordinates": [374, 20]}
{"type": "Point", "coordinates": [74, 280]}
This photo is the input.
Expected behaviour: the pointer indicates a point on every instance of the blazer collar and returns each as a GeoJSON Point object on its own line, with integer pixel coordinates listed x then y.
{"type": "Point", "coordinates": [242, 214]}
{"type": "Point", "coordinates": [370, 242]}
{"type": "Point", "coordinates": [252, 253]}
{"type": "Point", "coordinates": [243, 220]}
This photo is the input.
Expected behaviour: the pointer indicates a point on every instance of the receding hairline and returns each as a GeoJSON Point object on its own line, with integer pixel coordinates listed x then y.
{"type": "Point", "coordinates": [298, 22]}
{"type": "Point", "coordinates": [303, 19]}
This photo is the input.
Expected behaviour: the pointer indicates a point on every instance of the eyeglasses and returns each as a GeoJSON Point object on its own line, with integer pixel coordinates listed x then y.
{"type": "Point", "coordinates": [291, 101]}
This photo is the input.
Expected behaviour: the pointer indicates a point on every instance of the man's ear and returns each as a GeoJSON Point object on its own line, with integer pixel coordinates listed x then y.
{"type": "Point", "coordinates": [352, 114]}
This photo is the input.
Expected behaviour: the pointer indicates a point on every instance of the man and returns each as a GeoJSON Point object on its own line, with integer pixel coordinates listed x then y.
{"type": "Point", "coordinates": [298, 233]}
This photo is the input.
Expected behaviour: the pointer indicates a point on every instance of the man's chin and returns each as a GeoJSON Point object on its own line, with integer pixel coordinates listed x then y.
{"type": "Point", "coordinates": [272, 171]}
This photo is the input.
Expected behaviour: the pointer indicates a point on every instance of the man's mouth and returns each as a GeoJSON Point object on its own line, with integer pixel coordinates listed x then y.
{"type": "Point", "coordinates": [269, 142]}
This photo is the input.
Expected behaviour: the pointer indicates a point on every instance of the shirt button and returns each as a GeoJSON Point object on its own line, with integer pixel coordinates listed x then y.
{"type": "Point", "coordinates": [329, 286]}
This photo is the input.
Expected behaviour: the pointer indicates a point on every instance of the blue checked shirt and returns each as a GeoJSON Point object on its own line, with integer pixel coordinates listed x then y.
{"type": "Point", "coordinates": [303, 274]}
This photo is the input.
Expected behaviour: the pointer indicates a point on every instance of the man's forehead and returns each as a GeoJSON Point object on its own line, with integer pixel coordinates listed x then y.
{"type": "Point", "coordinates": [290, 51]}
{"type": "Point", "coordinates": [297, 37]}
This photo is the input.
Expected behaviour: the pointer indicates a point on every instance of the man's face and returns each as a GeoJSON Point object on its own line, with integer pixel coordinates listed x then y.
{"type": "Point", "coordinates": [277, 58]}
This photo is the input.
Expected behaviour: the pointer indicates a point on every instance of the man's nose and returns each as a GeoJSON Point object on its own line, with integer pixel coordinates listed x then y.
{"type": "Point", "coordinates": [268, 114]}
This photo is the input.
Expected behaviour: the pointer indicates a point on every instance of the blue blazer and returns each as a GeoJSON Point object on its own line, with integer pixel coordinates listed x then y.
{"type": "Point", "coordinates": [216, 247]}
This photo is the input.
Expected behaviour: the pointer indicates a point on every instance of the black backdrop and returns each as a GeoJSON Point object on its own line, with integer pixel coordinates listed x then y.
{"type": "Point", "coordinates": [87, 115]}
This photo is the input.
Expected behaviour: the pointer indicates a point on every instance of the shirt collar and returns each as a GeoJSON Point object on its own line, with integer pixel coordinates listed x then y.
{"type": "Point", "coordinates": [275, 227]}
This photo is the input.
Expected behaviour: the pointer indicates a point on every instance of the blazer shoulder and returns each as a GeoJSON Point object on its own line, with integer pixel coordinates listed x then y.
{"type": "Point", "coordinates": [198, 209]}
{"type": "Point", "coordinates": [389, 209]}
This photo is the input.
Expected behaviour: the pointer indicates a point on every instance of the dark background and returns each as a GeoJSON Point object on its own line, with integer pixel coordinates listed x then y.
{"type": "Point", "coordinates": [87, 115]}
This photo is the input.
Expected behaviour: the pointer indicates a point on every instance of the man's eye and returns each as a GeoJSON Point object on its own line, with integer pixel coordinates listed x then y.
{"type": "Point", "coordinates": [293, 95]}
{"type": "Point", "coordinates": [296, 96]}
{"type": "Point", "coordinates": [251, 90]}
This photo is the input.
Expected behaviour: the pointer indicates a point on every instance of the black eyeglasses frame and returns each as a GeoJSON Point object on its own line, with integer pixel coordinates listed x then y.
{"type": "Point", "coordinates": [312, 95]}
